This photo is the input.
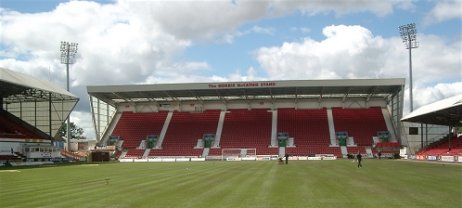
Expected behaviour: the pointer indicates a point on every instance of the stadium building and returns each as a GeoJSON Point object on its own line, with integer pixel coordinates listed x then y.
{"type": "Point", "coordinates": [31, 112]}
{"type": "Point", "coordinates": [433, 130]}
{"type": "Point", "coordinates": [249, 120]}
{"type": "Point", "coordinates": [229, 120]}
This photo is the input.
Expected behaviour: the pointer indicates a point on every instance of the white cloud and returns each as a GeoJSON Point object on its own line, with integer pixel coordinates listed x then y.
{"type": "Point", "coordinates": [198, 19]}
{"type": "Point", "coordinates": [229, 38]}
{"type": "Point", "coordinates": [344, 53]}
{"type": "Point", "coordinates": [263, 30]}
{"type": "Point", "coordinates": [304, 30]}
{"type": "Point", "coordinates": [220, 19]}
{"type": "Point", "coordinates": [250, 75]}
{"type": "Point", "coordinates": [351, 52]}
{"type": "Point", "coordinates": [378, 7]}
{"type": "Point", "coordinates": [444, 10]}
{"type": "Point", "coordinates": [440, 91]}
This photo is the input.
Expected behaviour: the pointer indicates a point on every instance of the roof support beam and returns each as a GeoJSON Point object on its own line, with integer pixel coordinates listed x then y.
{"type": "Point", "coordinates": [320, 95]}
{"type": "Point", "coordinates": [246, 97]}
{"type": "Point", "coordinates": [271, 98]}
{"type": "Point", "coordinates": [346, 94]}
{"type": "Point", "coordinates": [126, 100]}
{"type": "Point", "coordinates": [296, 98]}
{"type": "Point", "coordinates": [222, 99]}
{"type": "Point", "coordinates": [372, 92]}
{"type": "Point", "coordinates": [172, 98]}
{"type": "Point", "coordinates": [121, 97]}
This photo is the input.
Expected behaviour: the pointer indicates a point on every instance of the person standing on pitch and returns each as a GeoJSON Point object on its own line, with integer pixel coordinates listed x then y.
{"type": "Point", "coordinates": [359, 157]}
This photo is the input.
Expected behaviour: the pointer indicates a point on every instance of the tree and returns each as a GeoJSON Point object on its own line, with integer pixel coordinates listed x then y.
{"type": "Point", "coordinates": [76, 132]}
{"type": "Point", "coordinates": [459, 130]}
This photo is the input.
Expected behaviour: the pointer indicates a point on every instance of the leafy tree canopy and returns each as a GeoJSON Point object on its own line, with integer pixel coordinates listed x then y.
{"type": "Point", "coordinates": [76, 132]}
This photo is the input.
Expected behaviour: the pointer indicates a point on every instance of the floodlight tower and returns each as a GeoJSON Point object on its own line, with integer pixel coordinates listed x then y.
{"type": "Point", "coordinates": [408, 34]}
{"type": "Point", "coordinates": [68, 51]}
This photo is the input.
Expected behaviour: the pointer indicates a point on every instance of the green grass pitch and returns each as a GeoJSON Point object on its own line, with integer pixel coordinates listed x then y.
{"type": "Point", "coordinates": [380, 183]}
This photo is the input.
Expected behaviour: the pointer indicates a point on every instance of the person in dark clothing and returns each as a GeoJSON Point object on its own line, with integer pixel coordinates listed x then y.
{"type": "Point", "coordinates": [359, 158]}
{"type": "Point", "coordinates": [287, 158]}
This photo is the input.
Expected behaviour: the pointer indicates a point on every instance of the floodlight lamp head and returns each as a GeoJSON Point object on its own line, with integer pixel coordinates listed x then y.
{"type": "Point", "coordinates": [68, 51]}
{"type": "Point", "coordinates": [63, 46]}
{"type": "Point", "coordinates": [408, 34]}
{"type": "Point", "coordinates": [72, 47]}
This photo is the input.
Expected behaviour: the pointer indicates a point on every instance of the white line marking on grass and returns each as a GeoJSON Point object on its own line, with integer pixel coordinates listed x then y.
{"type": "Point", "coordinates": [9, 171]}
{"type": "Point", "coordinates": [90, 165]}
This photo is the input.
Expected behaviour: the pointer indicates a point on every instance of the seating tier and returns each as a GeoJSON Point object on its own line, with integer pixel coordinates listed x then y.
{"type": "Point", "coordinates": [362, 124]}
{"type": "Point", "coordinates": [184, 130]}
{"type": "Point", "coordinates": [134, 127]}
{"type": "Point", "coordinates": [310, 130]}
{"type": "Point", "coordinates": [244, 128]}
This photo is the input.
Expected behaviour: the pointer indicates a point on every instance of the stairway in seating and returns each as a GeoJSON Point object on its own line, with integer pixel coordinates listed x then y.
{"type": "Point", "coordinates": [344, 151]}
{"type": "Point", "coordinates": [205, 153]}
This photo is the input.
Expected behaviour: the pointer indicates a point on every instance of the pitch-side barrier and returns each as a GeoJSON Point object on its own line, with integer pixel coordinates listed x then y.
{"type": "Point", "coordinates": [259, 158]}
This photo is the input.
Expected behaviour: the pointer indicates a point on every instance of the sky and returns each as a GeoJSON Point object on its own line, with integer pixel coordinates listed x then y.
{"type": "Point", "coordinates": [180, 41]}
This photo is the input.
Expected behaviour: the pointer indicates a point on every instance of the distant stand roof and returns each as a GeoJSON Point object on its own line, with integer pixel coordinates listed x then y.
{"type": "Point", "coordinates": [447, 112]}
{"type": "Point", "coordinates": [227, 91]}
{"type": "Point", "coordinates": [15, 86]}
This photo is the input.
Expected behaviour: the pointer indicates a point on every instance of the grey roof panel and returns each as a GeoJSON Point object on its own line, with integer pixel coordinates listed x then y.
{"type": "Point", "coordinates": [204, 91]}
{"type": "Point", "coordinates": [447, 112]}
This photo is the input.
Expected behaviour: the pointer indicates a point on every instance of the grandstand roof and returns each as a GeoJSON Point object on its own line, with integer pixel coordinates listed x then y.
{"type": "Point", "coordinates": [292, 89]}
{"type": "Point", "coordinates": [19, 87]}
{"type": "Point", "coordinates": [40, 103]}
{"type": "Point", "coordinates": [444, 112]}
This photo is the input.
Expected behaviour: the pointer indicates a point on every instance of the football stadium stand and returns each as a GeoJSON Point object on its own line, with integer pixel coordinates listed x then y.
{"type": "Point", "coordinates": [444, 115]}
{"type": "Point", "coordinates": [445, 146]}
{"type": "Point", "coordinates": [243, 128]}
{"type": "Point", "coordinates": [10, 129]}
{"type": "Point", "coordinates": [31, 112]}
{"type": "Point", "coordinates": [247, 115]}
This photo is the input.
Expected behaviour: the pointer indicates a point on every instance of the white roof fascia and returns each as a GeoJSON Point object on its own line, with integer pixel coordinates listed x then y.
{"type": "Point", "coordinates": [285, 83]}
{"type": "Point", "coordinates": [25, 80]}
{"type": "Point", "coordinates": [436, 106]}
